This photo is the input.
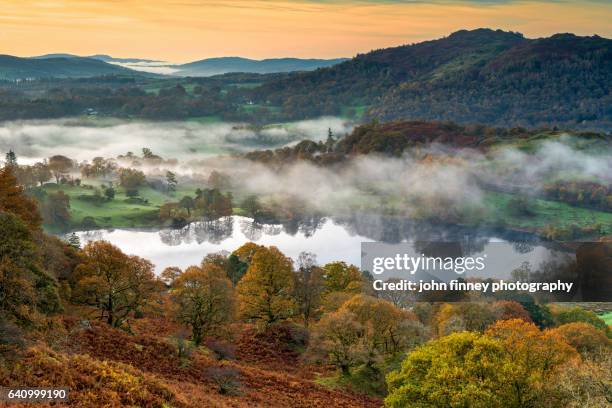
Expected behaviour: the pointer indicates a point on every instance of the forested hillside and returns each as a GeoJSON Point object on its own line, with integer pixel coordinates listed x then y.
{"type": "Point", "coordinates": [561, 80]}
{"type": "Point", "coordinates": [480, 76]}
{"type": "Point", "coordinates": [494, 78]}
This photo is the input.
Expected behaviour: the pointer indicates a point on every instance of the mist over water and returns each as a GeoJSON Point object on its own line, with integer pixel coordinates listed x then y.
{"type": "Point", "coordinates": [434, 180]}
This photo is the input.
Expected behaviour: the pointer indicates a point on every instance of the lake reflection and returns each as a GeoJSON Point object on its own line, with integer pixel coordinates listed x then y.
{"type": "Point", "coordinates": [337, 239]}
{"type": "Point", "coordinates": [187, 246]}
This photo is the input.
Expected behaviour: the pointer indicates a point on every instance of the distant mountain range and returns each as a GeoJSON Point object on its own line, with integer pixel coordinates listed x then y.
{"type": "Point", "coordinates": [13, 68]}
{"type": "Point", "coordinates": [99, 57]}
{"type": "Point", "coordinates": [479, 76]}
{"type": "Point", "coordinates": [69, 65]}
{"type": "Point", "coordinates": [223, 65]}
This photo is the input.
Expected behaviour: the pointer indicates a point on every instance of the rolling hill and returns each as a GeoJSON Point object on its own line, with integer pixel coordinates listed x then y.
{"type": "Point", "coordinates": [480, 76]}
{"type": "Point", "coordinates": [13, 68]}
{"type": "Point", "coordinates": [99, 57]}
{"type": "Point", "coordinates": [216, 66]}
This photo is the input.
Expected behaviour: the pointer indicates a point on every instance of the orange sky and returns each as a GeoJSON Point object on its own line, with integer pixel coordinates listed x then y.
{"type": "Point", "coordinates": [184, 30]}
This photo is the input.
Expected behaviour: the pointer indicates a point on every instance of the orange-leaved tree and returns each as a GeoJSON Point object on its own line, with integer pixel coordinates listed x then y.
{"type": "Point", "coordinates": [113, 282]}
{"type": "Point", "coordinates": [204, 299]}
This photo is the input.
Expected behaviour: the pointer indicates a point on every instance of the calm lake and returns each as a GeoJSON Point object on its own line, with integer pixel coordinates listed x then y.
{"type": "Point", "coordinates": [337, 239]}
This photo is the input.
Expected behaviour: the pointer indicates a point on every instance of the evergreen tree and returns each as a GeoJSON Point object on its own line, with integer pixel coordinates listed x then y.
{"type": "Point", "coordinates": [329, 143]}
{"type": "Point", "coordinates": [74, 241]}
{"type": "Point", "coordinates": [171, 180]}
{"type": "Point", "coordinates": [11, 159]}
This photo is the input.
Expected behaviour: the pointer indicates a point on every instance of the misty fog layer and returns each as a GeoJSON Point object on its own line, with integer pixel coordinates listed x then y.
{"type": "Point", "coordinates": [427, 181]}
{"type": "Point", "coordinates": [434, 181]}
{"type": "Point", "coordinates": [83, 139]}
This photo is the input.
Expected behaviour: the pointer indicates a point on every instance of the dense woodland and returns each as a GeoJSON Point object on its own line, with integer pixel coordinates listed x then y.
{"type": "Point", "coordinates": [481, 76]}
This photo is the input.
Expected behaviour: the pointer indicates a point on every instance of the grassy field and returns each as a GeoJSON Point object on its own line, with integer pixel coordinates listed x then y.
{"type": "Point", "coordinates": [607, 317]}
{"type": "Point", "coordinates": [545, 213]}
{"type": "Point", "coordinates": [500, 210]}
{"type": "Point", "coordinates": [118, 213]}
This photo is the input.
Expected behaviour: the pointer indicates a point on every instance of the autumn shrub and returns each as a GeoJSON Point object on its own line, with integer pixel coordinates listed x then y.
{"type": "Point", "coordinates": [293, 336]}
{"type": "Point", "coordinates": [588, 340]}
{"type": "Point", "coordinates": [222, 350]}
{"type": "Point", "coordinates": [11, 338]}
{"type": "Point", "coordinates": [184, 349]}
{"type": "Point", "coordinates": [226, 379]}
{"type": "Point", "coordinates": [509, 309]}
{"type": "Point", "coordinates": [92, 383]}
{"type": "Point", "coordinates": [540, 314]}
{"type": "Point", "coordinates": [578, 314]}
{"type": "Point", "coordinates": [581, 384]}
{"type": "Point", "coordinates": [468, 316]}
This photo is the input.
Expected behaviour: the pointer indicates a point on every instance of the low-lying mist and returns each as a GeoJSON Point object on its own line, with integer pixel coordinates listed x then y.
{"type": "Point", "coordinates": [83, 139]}
{"type": "Point", "coordinates": [436, 180]}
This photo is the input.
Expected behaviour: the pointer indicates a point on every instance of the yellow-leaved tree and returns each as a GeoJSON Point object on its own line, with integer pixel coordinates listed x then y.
{"type": "Point", "coordinates": [265, 291]}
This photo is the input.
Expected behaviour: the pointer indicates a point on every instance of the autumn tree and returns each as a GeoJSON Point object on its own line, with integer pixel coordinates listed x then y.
{"type": "Point", "coordinates": [131, 179]}
{"type": "Point", "coordinates": [187, 203]}
{"type": "Point", "coordinates": [341, 277]}
{"type": "Point", "coordinates": [204, 299]}
{"type": "Point", "coordinates": [508, 366]}
{"type": "Point", "coordinates": [339, 339]}
{"type": "Point", "coordinates": [581, 384]}
{"type": "Point", "coordinates": [114, 283]}
{"type": "Point", "coordinates": [389, 329]}
{"type": "Point", "coordinates": [265, 291]}
{"type": "Point", "coordinates": [585, 338]}
{"type": "Point", "coordinates": [25, 287]}
{"type": "Point", "coordinates": [532, 359]}
{"type": "Point", "coordinates": [246, 252]}
{"type": "Point", "coordinates": [469, 316]}
{"type": "Point", "coordinates": [14, 200]}
{"type": "Point", "coordinates": [308, 286]}
{"type": "Point", "coordinates": [509, 309]}
{"type": "Point", "coordinates": [578, 314]}
{"type": "Point", "coordinates": [170, 274]}
{"type": "Point", "coordinates": [59, 166]}
{"type": "Point", "coordinates": [218, 180]}
{"type": "Point", "coordinates": [25, 176]}
{"type": "Point", "coordinates": [56, 209]}
{"type": "Point", "coordinates": [41, 172]}
{"type": "Point", "coordinates": [459, 370]}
